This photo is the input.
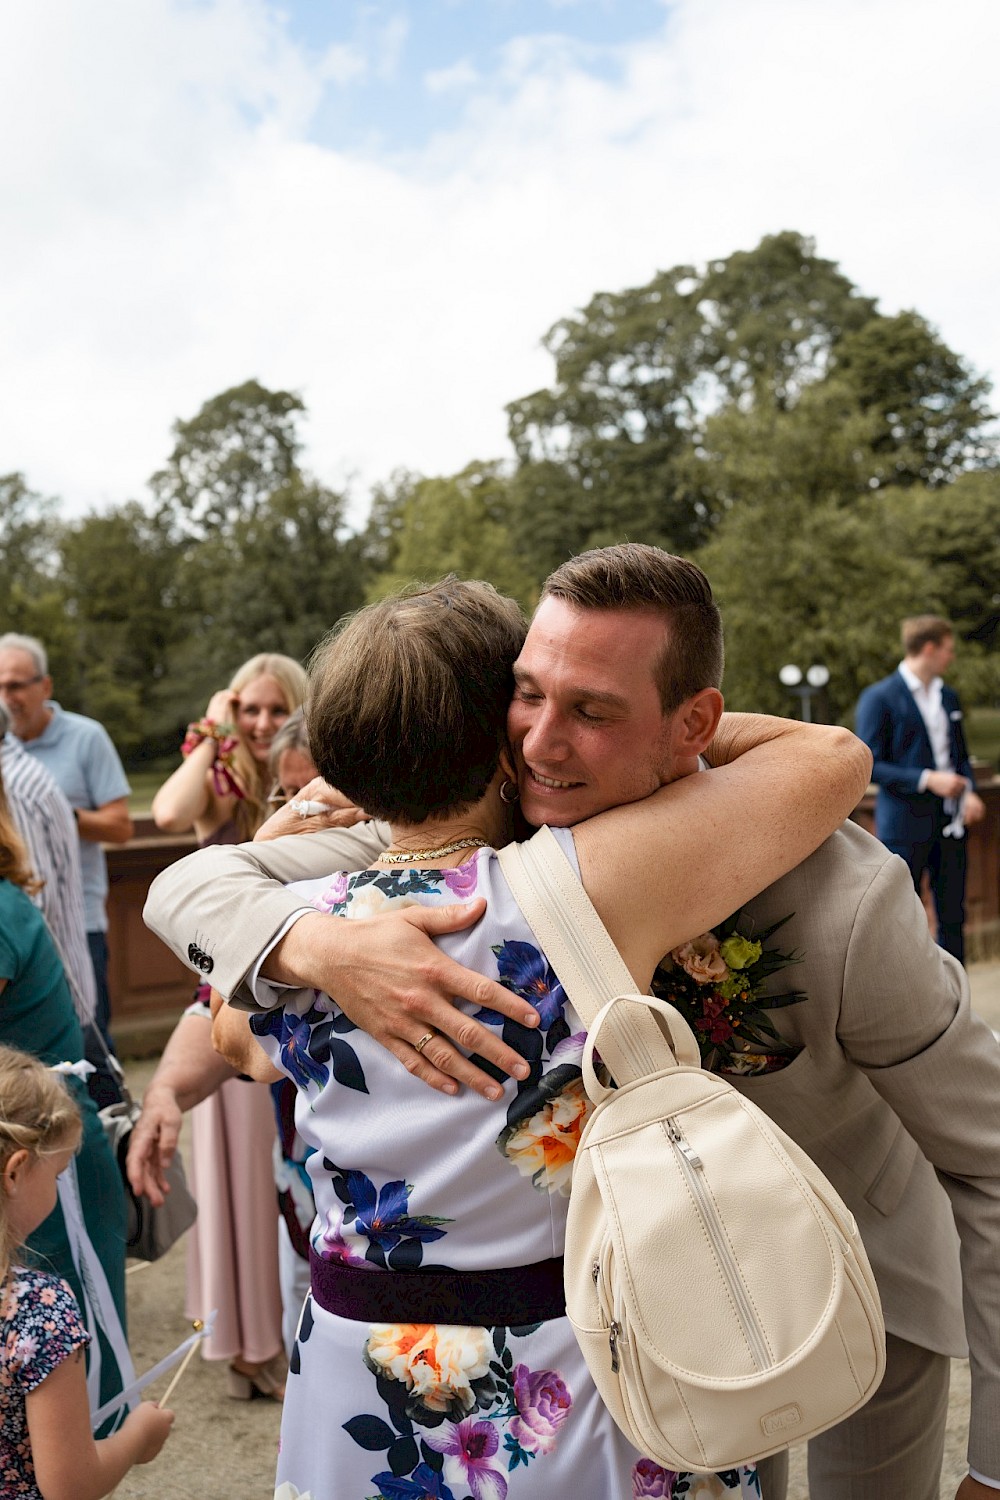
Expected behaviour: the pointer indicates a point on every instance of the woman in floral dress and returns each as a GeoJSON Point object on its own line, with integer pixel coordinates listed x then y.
{"type": "Point", "coordinates": [458, 1205]}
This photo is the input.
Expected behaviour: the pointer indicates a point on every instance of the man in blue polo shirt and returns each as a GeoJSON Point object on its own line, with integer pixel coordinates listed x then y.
{"type": "Point", "coordinates": [85, 765]}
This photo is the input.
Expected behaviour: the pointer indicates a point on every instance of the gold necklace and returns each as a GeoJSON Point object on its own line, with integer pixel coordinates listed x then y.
{"type": "Point", "coordinates": [402, 856]}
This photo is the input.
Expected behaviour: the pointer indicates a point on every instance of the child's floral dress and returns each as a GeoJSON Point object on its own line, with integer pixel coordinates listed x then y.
{"type": "Point", "coordinates": [405, 1176]}
{"type": "Point", "coordinates": [40, 1326]}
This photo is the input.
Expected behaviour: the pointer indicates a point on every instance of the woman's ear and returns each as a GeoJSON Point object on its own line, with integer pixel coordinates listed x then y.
{"type": "Point", "coordinates": [507, 764]}
{"type": "Point", "coordinates": [14, 1170]}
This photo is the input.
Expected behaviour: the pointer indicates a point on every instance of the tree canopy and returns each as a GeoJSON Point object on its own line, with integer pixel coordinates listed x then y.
{"type": "Point", "coordinates": [833, 468]}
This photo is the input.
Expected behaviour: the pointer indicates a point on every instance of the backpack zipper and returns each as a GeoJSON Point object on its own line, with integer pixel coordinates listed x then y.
{"type": "Point", "coordinates": [689, 1162]}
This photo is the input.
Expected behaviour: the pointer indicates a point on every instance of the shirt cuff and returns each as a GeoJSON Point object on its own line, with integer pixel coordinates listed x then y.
{"type": "Point", "coordinates": [267, 993]}
{"type": "Point", "coordinates": [922, 783]}
{"type": "Point", "coordinates": [993, 1484]}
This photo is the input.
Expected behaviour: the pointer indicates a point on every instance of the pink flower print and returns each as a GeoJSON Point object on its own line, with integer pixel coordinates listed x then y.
{"type": "Point", "coordinates": [335, 892]}
{"type": "Point", "coordinates": [331, 1244]}
{"type": "Point", "coordinates": [543, 1403]}
{"type": "Point", "coordinates": [570, 1049]}
{"type": "Point", "coordinates": [650, 1482]}
{"type": "Point", "coordinates": [463, 879]}
{"type": "Point", "coordinates": [26, 1347]}
{"type": "Point", "coordinates": [468, 1448]}
{"type": "Point", "coordinates": [47, 1296]}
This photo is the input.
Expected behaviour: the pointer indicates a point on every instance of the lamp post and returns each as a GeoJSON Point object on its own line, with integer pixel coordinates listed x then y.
{"type": "Point", "coordinates": [816, 677]}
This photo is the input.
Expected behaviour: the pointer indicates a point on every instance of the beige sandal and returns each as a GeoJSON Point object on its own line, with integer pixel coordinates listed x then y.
{"type": "Point", "coordinates": [246, 1381]}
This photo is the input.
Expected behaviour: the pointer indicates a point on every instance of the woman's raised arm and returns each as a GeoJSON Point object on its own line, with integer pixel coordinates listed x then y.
{"type": "Point", "coordinates": [662, 870]}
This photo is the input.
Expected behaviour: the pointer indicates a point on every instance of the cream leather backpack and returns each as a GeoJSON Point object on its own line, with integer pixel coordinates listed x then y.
{"type": "Point", "coordinates": [716, 1283]}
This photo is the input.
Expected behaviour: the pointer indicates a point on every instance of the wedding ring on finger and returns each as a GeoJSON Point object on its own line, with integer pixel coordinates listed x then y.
{"type": "Point", "coordinates": [427, 1037]}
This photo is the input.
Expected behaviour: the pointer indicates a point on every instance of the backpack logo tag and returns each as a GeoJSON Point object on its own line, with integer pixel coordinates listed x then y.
{"type": "Point", "coordinates": [781, 1420]}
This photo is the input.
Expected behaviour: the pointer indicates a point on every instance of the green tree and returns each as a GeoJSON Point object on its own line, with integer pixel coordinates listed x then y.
{"type": "Point", "coordinates": [927, 409]}
{"type": "Point", "coordinates": [671, 401]}
{"type": "Point", "coordinates": [639, 372]}
{"type": "Point", "coordinates": [280, 578]}
{"type": "Point", "coordinates": [239, 448]}
{"type": "Point", "coordinates": [119, 574]}
{"type": "Point", "coordinates": [32, 596]}
{"type": "Point", "coordinates": [455, 525]}
{"type": "Point", "coordinates": [811, 583]}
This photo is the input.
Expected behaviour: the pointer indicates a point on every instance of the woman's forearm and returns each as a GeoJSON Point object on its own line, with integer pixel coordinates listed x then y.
{"type": "Point", "coordinates": [710, 841]}
{"type": "Point", "coordinates": [185, 797]}
{"type": "Point", "coordinates": [739, 733]}
{"type": "Point", "coordinates": [190, 1066]}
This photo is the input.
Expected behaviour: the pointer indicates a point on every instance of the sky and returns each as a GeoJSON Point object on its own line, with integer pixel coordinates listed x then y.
{"type": "Point", "coordinates": [384, 204]}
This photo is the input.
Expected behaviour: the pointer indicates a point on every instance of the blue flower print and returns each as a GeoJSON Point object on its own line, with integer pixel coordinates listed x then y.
{"type": "Point", "coordinates": [523, 969]}
{"type": "Point", "coordinates": [384, 1217]}
{"type": "Point", "coordinates": [293, 1034]}
{"type": "Point", "coordinates": [423, 1484]}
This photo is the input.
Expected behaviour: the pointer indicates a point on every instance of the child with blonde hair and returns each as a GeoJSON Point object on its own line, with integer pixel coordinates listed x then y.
{"type": "Point", "coordinates": [47, 1450]}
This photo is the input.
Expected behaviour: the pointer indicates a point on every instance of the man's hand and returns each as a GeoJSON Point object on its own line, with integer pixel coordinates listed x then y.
{"type": "Point", "coordinates": [391, 980]}
{"type": "Point", "coordinates": [973, 809]}
{"type": "Point", "coordinates": [153, 1143]}
{"type": "Point", "coordinates": [971, 1489]}
{"type": "Point", "coordinates": [945, 784]}
{"type": "Point", "coordinates": [288, 819]}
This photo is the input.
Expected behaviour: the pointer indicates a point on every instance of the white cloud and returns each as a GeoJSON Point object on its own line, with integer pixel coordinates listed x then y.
{"type": "Point", "coordinates": [176, 232]}
{"type": "Point", "coordinates": [456, 78]}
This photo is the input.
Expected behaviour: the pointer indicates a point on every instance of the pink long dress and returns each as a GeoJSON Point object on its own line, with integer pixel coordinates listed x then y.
{"type": "Point", "coordinates": [232, 1250]}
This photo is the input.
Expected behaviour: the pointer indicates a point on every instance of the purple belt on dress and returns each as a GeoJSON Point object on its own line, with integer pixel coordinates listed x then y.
{"type": "Point", "coordinates": [510, 1297]}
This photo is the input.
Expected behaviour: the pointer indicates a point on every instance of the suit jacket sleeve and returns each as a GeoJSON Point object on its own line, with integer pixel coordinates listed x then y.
{"type": "Point", "coordinates": [874, 723]}
{"type": "Point", "coordinates": [226, 903]}
{"type": "Point", "coordinates": [906, 1022]}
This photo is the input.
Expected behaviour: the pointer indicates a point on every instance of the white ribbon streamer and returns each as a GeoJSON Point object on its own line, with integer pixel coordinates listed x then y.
{"type": "Point", "coordinates": [133, 1391]}
{"type": "Point", "coordinates": [99, 1311]}
{"type": "Point", "coordinates": [81, 1070]}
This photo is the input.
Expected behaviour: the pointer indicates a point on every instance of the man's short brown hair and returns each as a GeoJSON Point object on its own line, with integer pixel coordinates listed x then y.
{"type": "Point", "coordinates": [408, 708]}
{"type": "Point", "coordinates": [919, 630]}
{"type": "Point", "coordinates": [638, 577]}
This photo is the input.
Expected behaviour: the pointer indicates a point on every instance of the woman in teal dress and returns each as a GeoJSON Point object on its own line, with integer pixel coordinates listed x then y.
{"type": "Point", "coordinates": [37, 1015]}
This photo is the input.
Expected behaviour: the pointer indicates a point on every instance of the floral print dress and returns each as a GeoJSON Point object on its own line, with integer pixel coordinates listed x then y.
{"type": "Point", "coordinates": [403, 1177]}
{"type": "Point", "coordinates": [40, 1326]}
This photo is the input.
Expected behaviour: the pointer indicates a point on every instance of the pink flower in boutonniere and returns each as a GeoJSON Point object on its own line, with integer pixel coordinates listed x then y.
{"type": "Point", "coordinates": [720, 984]}
{"type": "Point", "coordinates": [702, 959]}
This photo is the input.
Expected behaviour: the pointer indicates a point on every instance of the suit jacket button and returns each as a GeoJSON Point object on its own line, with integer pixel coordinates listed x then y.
{"type": "Point", "coordinates": [207, 964]}
{"type": "Point", "coordinates": [192, 953]}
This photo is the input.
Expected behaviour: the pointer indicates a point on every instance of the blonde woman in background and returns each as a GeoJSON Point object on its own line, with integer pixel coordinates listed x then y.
{"type": "Point", "coordinates": [221, 791]}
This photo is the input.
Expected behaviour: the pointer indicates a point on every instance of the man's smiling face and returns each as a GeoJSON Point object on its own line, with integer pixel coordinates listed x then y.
{"type": "Point", "coordinates": [585, 724]}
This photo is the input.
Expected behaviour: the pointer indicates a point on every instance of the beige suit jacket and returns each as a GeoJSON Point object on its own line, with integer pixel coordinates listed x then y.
{"type": "Point", "coordinates": [895, 1095]}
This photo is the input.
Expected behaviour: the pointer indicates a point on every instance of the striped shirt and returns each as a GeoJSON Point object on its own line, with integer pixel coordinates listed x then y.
{"type": "Point", "coordinates": [46, 823]}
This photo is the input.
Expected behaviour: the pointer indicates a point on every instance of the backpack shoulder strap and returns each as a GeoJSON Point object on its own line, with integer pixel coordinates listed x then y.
{"type": "Point", "coordinates": [579, 947]}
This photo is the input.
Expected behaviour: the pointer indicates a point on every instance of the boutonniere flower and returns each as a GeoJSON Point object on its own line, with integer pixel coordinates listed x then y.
{"type": "Point", "coordinates": [717, 983]}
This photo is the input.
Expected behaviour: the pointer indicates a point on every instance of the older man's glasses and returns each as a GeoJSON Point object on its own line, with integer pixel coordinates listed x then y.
{"type": "Point", "coordinates": [22, 686]}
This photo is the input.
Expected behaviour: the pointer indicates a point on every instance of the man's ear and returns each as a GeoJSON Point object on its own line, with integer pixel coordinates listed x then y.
{"type": "Point", "coordinates": [14, 1168]}
{"type": "Point", "coordinates": [696, 721]}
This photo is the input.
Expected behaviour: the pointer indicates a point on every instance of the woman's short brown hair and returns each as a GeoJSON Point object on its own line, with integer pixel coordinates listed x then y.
{"type": "Point", "coordinates": [408, 705]}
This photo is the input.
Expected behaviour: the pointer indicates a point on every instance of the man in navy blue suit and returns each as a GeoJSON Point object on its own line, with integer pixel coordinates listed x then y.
{"type": "Point", "coordinates": [912, 724]}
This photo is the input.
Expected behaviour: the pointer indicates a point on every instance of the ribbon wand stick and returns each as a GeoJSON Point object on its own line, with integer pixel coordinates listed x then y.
{"type": "Point", "coordinates": [197, 1325]}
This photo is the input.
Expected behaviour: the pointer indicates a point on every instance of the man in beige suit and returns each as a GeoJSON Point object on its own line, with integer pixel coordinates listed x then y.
{"type": "Point", "coordinates": [894, 1092]}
